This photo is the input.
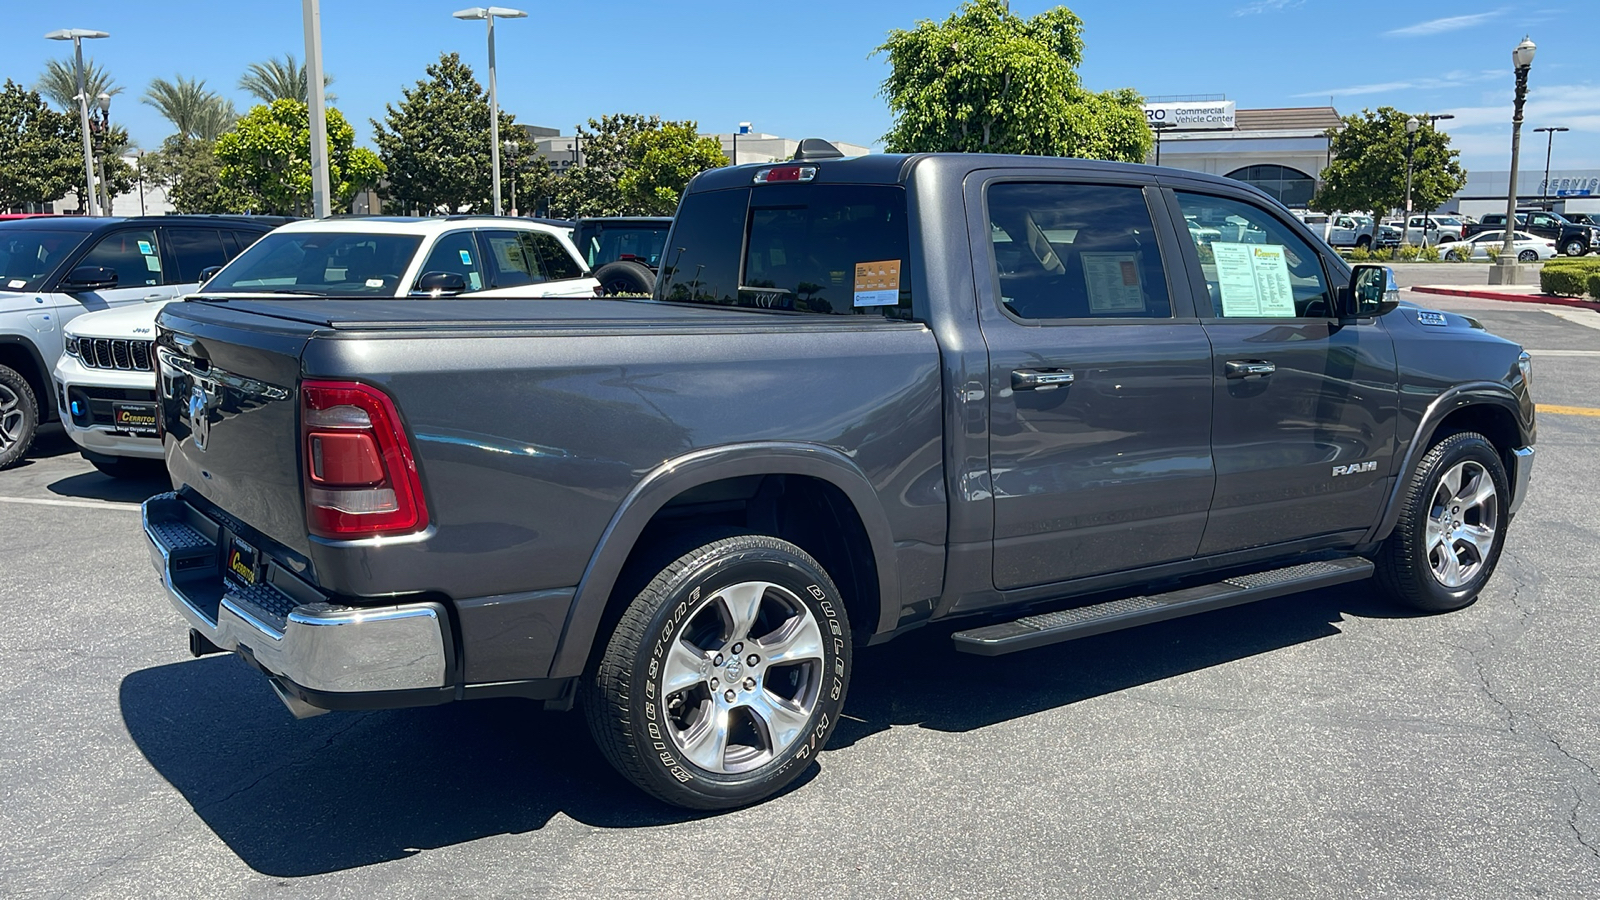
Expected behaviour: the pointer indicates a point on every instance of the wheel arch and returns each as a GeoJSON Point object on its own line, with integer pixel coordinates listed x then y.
{"type": "Point", "coordinates": [872, 609]}
{"type": "Point", "coordinates": [1488, 408]}
{"type": "Point", "coordinates": [20, 354]}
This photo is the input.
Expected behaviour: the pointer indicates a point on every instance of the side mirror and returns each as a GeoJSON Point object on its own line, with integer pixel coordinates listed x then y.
{"type": "Point", "coordinates": [440, 284]}
{"type": "Point", "coordinates": [1373, 292]}
{"type": "Point", "coordinates": [208, 273]}
{"type": "Point", "coordinates": [90, 278]}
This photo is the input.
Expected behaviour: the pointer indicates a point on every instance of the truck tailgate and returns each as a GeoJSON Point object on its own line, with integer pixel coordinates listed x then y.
{"type": "Point", "coordinates": [228, 395]}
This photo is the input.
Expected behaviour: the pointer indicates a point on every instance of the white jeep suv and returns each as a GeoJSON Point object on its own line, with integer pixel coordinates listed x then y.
{"type": "Point", "coordinates": [105, 381]}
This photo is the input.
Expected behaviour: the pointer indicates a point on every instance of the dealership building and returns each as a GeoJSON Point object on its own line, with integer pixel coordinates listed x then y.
{"type": "Point", "coordinates": [1280, 151]}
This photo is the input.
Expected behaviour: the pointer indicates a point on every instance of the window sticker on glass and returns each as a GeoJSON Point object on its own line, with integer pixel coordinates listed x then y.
{"type": "Point", "coordinates": [374, 282]}
{"type": "Point", "coordinates": [1113, 282]}
{"type": "Point", "coordinates": [153, 263]}
{"type": "Point", "coordinates": [144, 247]}
{"type": "Point", "coordinates": [878, 283]}
{"type": "Point", "coordinates": [474, 281]}
{"type": "Point", "coordinates": [466, 258]}
{"type": "Point", "coordinates": [1253, 280]}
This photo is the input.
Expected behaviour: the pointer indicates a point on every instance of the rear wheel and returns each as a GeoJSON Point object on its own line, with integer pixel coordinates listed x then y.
{"type": "Point", "coordinates": [19, 417]}
{"type": "Point", "coordinates": [1574, 247]}
{"type": "Point", "coordinates": [1451, 529]}
{"type": "Point", "coordinates": [725, 675]}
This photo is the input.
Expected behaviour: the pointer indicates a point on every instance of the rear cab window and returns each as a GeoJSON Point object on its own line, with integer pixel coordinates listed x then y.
{"type": "Point", "coordinates": [813, 248]}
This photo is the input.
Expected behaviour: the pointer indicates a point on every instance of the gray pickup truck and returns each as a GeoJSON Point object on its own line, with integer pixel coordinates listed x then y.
{"type": "Point", "coordinates": [1049, 398]}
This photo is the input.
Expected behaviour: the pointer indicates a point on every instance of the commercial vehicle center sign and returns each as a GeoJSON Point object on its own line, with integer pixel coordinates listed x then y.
{"type": "Point", "coordinates": [1196, 115]}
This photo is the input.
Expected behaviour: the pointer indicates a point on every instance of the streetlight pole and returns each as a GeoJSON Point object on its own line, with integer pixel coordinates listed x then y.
{"type": "Point", "coordinates": [1412, 124]}
{"type": "Point", "coordinates": [744, 128]}
{"type": "Point", "coordinates": [104, 102]}
{"type": "Point", "coordinates": [315, 106]}
{"type": "Point", "coordinates": [489, 14]}
{"type": "Point", "coordinates": [511, 151]}
{"type": "Point", "coordinates": [1506, 269]}
{"type": "Point", "coordinates": [76, 36]}
{"type": "Point", "coordinates": [1159, 127]}
{"type": "Point", "coordinates": [1549, 143]}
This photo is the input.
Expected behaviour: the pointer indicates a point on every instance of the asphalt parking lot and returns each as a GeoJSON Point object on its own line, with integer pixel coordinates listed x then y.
{"type": "Point", "coordinates": [1322, 745]}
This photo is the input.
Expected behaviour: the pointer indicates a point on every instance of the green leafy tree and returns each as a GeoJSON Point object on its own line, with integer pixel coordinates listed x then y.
{"type": "Point", "coordinates": [40, 154]}
{"type": "Point", "coordinates": [109, 146]}
{"type": "Point", "coordinates": [187, 168]}
{"type": "Point", "coordinates": [59, 82]}
{"type": "Point", "coordinates": [266, 161]}
{"type": "Point", "coordinates": [193, 110]}
{"type": "Point", "coordinates": [661, 162]}
{"type": "Point", "coordinates": [283, 79]}
{"type": "Point", "coordinates": [1369, 165]}
{"type": "Point", "coordinates": [435, 146]}
{"type": "Point", "coordinates": [633, 165]}
{"type": "Point", "coordinates": [986, 80]}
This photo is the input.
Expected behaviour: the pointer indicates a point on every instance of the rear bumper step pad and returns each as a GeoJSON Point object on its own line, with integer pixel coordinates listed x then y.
{"type": "Point", "coordinates": [1113, 615]}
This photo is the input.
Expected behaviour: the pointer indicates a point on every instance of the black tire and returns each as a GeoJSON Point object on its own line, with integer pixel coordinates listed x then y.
{"type": "Point", "coordinates": [625, 277]}
{"type": "Point", "coordinates": [1363, 243]}
{"type": "Point", "coordinates": [19, 417]}
{"type": "Point", "coordinates": [1406, 563]}
{"type": "Point", "coordinates": [1528, 256]}
{"type": "Point", "coordinates": [650, 731]}
{"type": "Point", "coordinates": [1574, 247]}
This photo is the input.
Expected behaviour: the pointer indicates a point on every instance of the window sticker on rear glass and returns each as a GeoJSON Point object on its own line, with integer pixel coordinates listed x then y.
{"type": "Point", "coordinates": [1253, 280]}
{"type": "Point", "coordinates": [878, 283]}
{"type": "Point", "coordinates": [144, 247]}
{"type": "Point", "coordinates": [466, 258]}
{"type": "Point", "coordinates": [1113, 283]}
{"type": "Point", "coordinates": [153, 263]}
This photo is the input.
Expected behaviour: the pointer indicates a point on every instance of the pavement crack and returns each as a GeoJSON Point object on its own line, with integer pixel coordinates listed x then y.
{"type": "Point", "coordinates": [327, 742]}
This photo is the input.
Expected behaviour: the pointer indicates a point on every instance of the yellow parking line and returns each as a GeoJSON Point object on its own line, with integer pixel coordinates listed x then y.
{"type": "Point", "coordinates": [1568, 410]}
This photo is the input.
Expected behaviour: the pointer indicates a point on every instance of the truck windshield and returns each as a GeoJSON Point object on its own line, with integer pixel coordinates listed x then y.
{"type": "Point", "coordinates": [330, 264]}
{"type": "Point", "coordinates": [836, 249]}
{"type": "Point", "coordinates": [28, 255]}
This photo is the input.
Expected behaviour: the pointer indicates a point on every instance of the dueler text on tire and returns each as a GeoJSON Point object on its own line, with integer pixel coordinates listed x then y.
{"type": "Point", "coordinates": [725, 675]}
{"type": "Point", "coordinates": [1451, 528]}
{"type": "Point", "coordinates": [19, 416]}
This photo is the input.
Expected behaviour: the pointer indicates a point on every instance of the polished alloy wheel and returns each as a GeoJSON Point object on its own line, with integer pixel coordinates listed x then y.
{"type": "Point", "coordinates": [742, 677]}
{"type": "Point", "coordinates": [12, 418]}
{"type": "Point", "coordinates": [1461, 523]}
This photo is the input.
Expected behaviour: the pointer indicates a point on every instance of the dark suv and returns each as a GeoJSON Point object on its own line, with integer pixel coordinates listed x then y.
{"type": "Point", "coordinates": [624, 252]}
{"type": "Point", "coordinates": [54, 269]}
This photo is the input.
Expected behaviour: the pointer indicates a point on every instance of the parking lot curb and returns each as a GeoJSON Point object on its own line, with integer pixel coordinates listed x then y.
{"type": "Point", "coordinates": [1551, 299]}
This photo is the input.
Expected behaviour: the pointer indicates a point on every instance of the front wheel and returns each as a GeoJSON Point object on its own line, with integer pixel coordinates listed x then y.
{"type": "Point", "coordinates": [1451, 529]}
{"type": "Point", "coordinates": [725, 675]}
{"type": "Point", "coordinates": [1574, 248]}
{"type": "Point", "coordinates": [19, 417]}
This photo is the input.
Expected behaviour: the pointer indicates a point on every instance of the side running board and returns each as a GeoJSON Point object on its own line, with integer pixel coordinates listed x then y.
{"type": "Point", "coordinates": [1113, 615]}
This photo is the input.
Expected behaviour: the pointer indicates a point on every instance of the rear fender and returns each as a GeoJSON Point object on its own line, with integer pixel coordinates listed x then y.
{"type": "Point", "coordinates": [675, 476]}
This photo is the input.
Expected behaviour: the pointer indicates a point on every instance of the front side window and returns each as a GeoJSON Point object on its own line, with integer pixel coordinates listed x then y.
{"type": "Point", "coordinates": [194, 250]}
{"type": "Point", "coordinates": [28, 256]}
{"type": "Point", "coordinates": [1254, 266]}
{"type": "Point", "coordinates": [457, 253]}
{"type": "Point", "coordinates": [1076, 251]}
{"type": "Point", "coordinates": [133, 254]}
{"type": "Point", "coordinates": [329, 264]}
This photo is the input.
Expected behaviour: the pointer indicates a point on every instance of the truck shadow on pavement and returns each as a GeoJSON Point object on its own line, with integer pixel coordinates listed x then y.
{"type": "Point", "coordinates": [294, 798]}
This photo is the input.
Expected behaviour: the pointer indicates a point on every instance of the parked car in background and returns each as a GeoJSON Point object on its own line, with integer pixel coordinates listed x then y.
{"type": "Point", "coordinates": [1487, 244]}
{"type": "Point", "coordinates": [54, 269]}
{"type": "Point", "coordinates": [1341, 229]}
{"type": "Point", "coordinates": [1571, 238]}
{"type": "Point", "coordinates": [624, 251]}
{"type": "Point", "coordinates": [105, 379]}
{"type": "Point", "coordinates": [1423, 230]}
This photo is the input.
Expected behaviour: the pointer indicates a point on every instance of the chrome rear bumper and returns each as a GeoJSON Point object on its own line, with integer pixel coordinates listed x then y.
{"type": "Point", "coordinates": [284, 625]}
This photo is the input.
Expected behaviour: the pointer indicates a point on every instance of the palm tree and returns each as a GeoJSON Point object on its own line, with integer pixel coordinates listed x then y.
{"type": "Point", "coordinates": [278, 79]}
{"type": "Point", "coordinates": [60, 82]}
{"type": "Point", "coordinates": [192, 109]}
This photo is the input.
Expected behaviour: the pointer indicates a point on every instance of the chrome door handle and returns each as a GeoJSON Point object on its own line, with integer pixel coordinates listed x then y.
{"type": "Point", "coordinates": [1246, 368]}
{"type": "Point", "coordinates": [1040, 379]}
{"type": "Point", "coordinates": [149, 297]}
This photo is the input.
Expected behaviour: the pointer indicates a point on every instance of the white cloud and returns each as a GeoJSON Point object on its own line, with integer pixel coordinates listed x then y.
{"type": "Point", "coordinates": [1483, 133]}
{"type": "Point", "coordinates": [1440, 26]}
{"type": "Point", "coordinates": [1265, 6]}
{"type": "Point", "coordinates": [1445, 81]}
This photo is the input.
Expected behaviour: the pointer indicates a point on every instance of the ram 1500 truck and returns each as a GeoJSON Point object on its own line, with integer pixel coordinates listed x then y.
{"type": "Point", "coordinates": [1046, 397]}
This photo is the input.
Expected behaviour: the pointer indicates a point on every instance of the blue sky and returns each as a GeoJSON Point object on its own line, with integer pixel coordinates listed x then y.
{"type": "Point", "coordinates": [805, 68]}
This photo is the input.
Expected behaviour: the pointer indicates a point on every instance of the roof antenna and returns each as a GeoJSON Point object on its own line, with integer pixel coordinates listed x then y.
{"type": "Point", "coordinates": [816, 148]}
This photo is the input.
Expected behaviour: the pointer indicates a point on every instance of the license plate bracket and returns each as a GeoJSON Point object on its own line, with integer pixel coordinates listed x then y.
{"type": "Point", "coordinates": [241, 562]}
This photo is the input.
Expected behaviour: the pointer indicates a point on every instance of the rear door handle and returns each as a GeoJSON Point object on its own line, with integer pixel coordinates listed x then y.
{"type": "Point", "coordinates": [1246, 368]}
{"type": "Point", "coordinates": [1040, 379]}
{"type": "Point", "coordinates": [149, 297]}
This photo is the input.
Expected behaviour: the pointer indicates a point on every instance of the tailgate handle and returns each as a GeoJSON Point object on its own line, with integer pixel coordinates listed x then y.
{"type": "Point", "coordinates": [1246, 368]}
{"type": "Point", "coordinates": [1040, 379]}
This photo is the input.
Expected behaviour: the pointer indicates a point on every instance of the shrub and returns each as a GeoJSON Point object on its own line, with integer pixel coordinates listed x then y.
{"type": "Point", "coordinates": [1594, 286]}
{"type": "Point", "coordinates": [1429, 253]}
{"type": "Point", "coordinates": [1360, 254]}
{"type": "Point", "coordinates": [1563, 281]}
{"type": "Point", "coordinates": [1408, 253]}
{"type": "Point", "coordinates": [1382, 255]}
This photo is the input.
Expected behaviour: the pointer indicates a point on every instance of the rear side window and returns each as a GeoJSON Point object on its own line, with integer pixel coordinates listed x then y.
{"type": "Point", "coordinates": [831, 249]}
{"type": "Point", "coordinates": [558, 263]}
{"type": "Point", "coordinates": [194, 249]}
{"type": "Point", "coordinates": [513, 259]}
{"type": "Point", "coordinates": [1076, 251]}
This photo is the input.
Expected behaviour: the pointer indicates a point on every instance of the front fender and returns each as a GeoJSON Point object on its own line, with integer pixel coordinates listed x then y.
{"type": "Point", "coordinates": [677, 475]}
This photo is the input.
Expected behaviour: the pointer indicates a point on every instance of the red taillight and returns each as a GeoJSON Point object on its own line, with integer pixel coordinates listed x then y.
{"type": "Point", "coordinates": [785, 173]}
{"type": "Point", "coordinates": [360, 477]}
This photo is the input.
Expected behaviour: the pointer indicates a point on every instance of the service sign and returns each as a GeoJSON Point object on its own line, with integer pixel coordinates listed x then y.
{"type": "Point", "coordinates": [1194, 116]}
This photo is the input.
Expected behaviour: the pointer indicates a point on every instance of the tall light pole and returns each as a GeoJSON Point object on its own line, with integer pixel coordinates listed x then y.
{"type": "Point", "coordinates": [511, 150]}
{"type": "Point", "coordinates": [1159, 127]}
{"type": "Point", "coordinates": [77, 36]}
{"type": "Point", "coordinates": [1506, 269]}
{"type": "Point", "coordinates": [316, 108]}
{"type": "Point", "coordinates": [489, 14]}
{"type": "Point", "coordinates": [1433, 121]}
{"type": "Point", "coordinates": [1549, 143]}
{"type": "Point", "coordinates": [1412, 124]}
{"type": "Point", "coordinates": [744, 128]}
{"type": "Point", "coordinates": [103, 100]}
